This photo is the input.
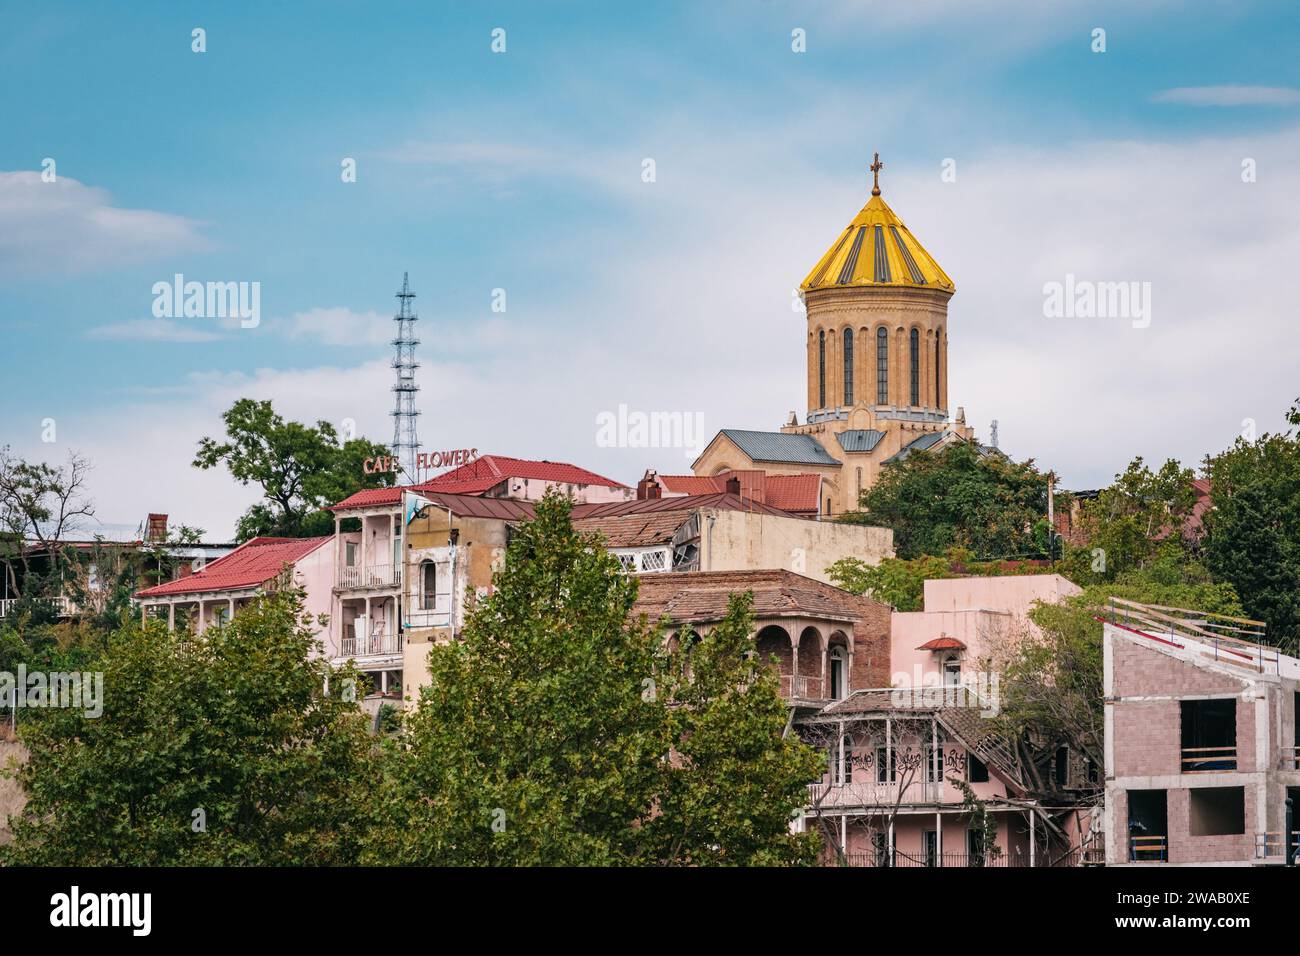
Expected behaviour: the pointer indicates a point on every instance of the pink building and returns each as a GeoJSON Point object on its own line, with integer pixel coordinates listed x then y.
{"type": "Point", "coordinates": [215, 592]}
{"type": "Point", "coordinates": [498, 476]}
{"type": "Point", "coordinates": [1202, 740]}
{"type": "Point", "coordinates": [900, 757]}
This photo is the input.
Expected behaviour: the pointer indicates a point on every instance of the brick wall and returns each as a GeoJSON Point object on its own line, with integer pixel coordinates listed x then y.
{"type": "Point", "coordinates": [1140, 671]}
{"type": "Point", "coordinates": [871, 666]}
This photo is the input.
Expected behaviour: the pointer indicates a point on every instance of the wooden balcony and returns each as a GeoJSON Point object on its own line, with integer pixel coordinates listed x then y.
{"type": "Point", "coordinates": [372, 577]}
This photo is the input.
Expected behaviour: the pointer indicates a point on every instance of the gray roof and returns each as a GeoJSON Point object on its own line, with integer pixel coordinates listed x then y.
{"type": "Point", "coordinates": [779, 446]}
{"type": "Point", "coordinates": [928, 440]}
{"type": "Point", "coordinates": [859, 439]}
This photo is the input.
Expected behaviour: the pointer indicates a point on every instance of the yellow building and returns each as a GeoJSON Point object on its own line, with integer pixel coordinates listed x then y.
{"type": "Point", "coordinates": [877, 364]}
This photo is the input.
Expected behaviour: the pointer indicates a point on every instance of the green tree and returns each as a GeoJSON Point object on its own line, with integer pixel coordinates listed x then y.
{"type": "Point", "coordinates": [1051, 683]}
{"type": "Point", "coordinates": [960, 496]}
{"type": "Point", "coordinates": [301, 469]}
{"type": "Point", "coordinates": [1138, 520]}
{"type": "Point", "coordinates": [550, 734]}
{"type": "Point", "coordinates": [222, 749]}
{"type": "Point", "coordinates": [1253, 529]}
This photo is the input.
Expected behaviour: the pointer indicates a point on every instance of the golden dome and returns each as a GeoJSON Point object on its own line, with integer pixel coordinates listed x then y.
{"type": "Point", "coordinates": [877, 250]}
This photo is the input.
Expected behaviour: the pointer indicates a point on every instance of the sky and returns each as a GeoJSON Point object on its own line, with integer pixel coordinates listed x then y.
{"type": "Point", "coordinates": [1015, 150]}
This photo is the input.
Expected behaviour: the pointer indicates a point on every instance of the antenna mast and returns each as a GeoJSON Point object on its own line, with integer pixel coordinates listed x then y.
{"type": "Point", "coordinates": [405, 443]}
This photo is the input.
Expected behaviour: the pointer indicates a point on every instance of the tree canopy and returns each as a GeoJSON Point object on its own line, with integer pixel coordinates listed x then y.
{"type": "Point", "coordinates": [558, 730]}
{"type": "Point", "coordinates": [301, 469]}
{"type": "Point", "coordinates": [960, 496]}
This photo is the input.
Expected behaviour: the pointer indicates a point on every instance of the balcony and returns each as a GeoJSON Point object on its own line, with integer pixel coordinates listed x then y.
{"type": "Point", "coordinates": [800, 687]}
{"type": "Point", "coordinates": [897, 858]}
{"type": "Point", "coordinates": [870, 793]}
{"type": "Point", "coordinates": [376, 644]}
{"type": "Point", "coordinates": [372, 577]}
{"type": "Point", "coordinates": [63, 606]}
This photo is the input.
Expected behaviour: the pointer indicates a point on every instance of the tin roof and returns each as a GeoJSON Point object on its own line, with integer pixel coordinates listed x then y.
{"type": "Point", "coordinates": [699, 596]}
{"type": "Point", "coordinates": [797, 493]}
{"type": "Point", "coordinates": [780, 446]}
{"type": "Point", "coordinates": [250, 565]}
{"type": "Point", "coordinates": [635, 530]}
{"type": "Point", "coordinates": [859, 439]}
{"type": "Point", "coordinates": [680, 503]}
{"type": "Point", "coordinates": [488, 471]}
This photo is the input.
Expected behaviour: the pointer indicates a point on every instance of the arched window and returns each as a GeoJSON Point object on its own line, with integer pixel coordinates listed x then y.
{"type": "Point", "coordinates": [428, 586]}
{"type": "Point", "coordinates": [938, 353]}
{"type": "Point", "coordinates": [821, 369]}
{"type": "Point", "coordinates": [882, 367]}
{"type": "Point", "coordinates": [916, 367]}
{"type": "Point", "coordinates": [848, 366]}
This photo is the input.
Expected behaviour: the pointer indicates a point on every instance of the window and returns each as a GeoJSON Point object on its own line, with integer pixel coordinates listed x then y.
{"type": "Point", "coordinates": [938, 352]}
{"type": "Point", "coordinates": [350, 554]}
{"type": "Point", "coordinates": [975, 846]}
{"type": "Point", "coordinates": [1062, 766]}
{"type": "Point", "coordinates": [1148, 824]}
{"type": "Point", "coordinates": [428, 586]}
{"type": "Point", "coordinates": [977, 770]}
{"type": "Point", "coordinates": [848, 366]}
{"type": "Point", "coordinates": [839, 671]}
{"type": "Point", "coordinates": [880, 847]}
{"type": "Point", "coordinates": [1209, 734]}
{"type": "Point", "coordinates": [916, 367]}
{"type": "Point", "coordinates": [884, 766]}
{"type": "Point", "coordinates": [1216, 811]}
{"type": "Point", "coordinates": [930, 847]}
{"type": "Point", "coordinates": [882, 367]}
{"type": "Point", "coordinates": [821, 369]}
{"type": "Point", "coordinates": [952, 672]}
{"type": "Point", "coordinates": [842, 769]}
{"type": "Point", "coordinates": [934, 761]}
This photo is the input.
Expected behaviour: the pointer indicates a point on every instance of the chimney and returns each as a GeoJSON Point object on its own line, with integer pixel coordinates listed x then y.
{"type": "Point", "coordinates": [156, 528]}
{"type": "Point", "coordinates": [733, 485]}
{"type": "Point", "coordinates": [649, 487]}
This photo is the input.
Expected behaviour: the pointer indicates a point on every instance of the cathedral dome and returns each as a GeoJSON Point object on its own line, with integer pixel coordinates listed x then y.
{"type": "Point", "coordinates": [876, 250]}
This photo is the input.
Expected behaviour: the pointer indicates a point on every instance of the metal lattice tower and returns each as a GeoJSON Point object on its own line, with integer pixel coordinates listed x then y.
{"type": "Point", "coordinates": [405, 443]}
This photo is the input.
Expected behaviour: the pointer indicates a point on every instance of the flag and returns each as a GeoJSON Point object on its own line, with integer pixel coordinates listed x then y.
{"type": "Point", "coordinates": [412, 503]}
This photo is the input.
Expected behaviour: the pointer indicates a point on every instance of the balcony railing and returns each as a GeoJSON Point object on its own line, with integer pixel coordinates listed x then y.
{"type": "Point", "coordinates": [372, 645]}
{"type": "Point", "coordinates": [1271, 846]}
{"type": "Point", "coordinates": [370, 577]}
{"type": "Point", "coordinates": [63, 606]}
{"type": "Point", "coordinates": [920, 858]}
{"type": "Point", "coordinates": [1209, 759]}
{"type": "Point", "coordinates": [1148, 849]}
{"type": "Point", "coordinates": [1295, 759]}
{"type": "Point", "coordinates": [799, 687]}
{"type": "Point", "coordinates": [870, 793]}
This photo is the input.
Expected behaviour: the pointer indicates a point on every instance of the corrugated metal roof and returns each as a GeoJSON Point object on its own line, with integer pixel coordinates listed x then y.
{"type": "Point", "coordinates": [859, 439]}
{"type": "Point", "coordinates": [679, 503]}
{"type": "Point", "coordinates": [635, 531]}
{"type": "Point", "coordinates": [250, 565]}
{"type": "Point", "coordinates": [928, 440]}
{"type": "Point", "coordinates": [780, 446]}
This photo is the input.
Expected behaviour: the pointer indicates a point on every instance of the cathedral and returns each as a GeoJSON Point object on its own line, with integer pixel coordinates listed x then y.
{"type": "Point", "coordinates": [877, 306]}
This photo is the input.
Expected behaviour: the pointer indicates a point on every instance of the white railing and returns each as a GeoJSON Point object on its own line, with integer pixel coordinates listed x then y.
{"type": "Point", "coordinates": [377, 642]}
{"type": "Point", "coordinates": [64, 607]}
{"type": "Point", "coordinates": [802, 687]}
{"type": "Point", "coordinates": [870, 793]}
{"type": "Point", "coordinates": [372, 576]}
{"type": "Point", "coordinates": [437, 616]}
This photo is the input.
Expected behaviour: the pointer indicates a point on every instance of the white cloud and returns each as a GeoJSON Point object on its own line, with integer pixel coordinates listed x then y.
{"type": "Point", "coordinates": [688, 308]}
{"type": "Point", "coordinates": [151, 330]}
{"type": "Point", "coordinates": [66, 226]}
{"type": "Point", "coordinates": [338, 325]}
{"type": "Point", "coordinates": [1230, 96]}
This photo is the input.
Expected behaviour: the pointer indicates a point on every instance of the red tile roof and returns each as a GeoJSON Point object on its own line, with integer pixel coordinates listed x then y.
{"type": "Point", "coordinates": [944, 643]}
{"type": "Point", "coordinates": [488, 471]}
{"type": "Point", "coordinates": [250, 565]}
{"type": "Point", "coordinates": [798, 493]}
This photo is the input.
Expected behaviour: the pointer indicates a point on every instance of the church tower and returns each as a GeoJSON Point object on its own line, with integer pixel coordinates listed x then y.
{"type": "Point", "coordinates": [877, 365]}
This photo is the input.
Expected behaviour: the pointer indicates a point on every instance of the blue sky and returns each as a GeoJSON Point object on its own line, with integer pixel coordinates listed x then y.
{"type": "Point", "coordinates": [521, 171]}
